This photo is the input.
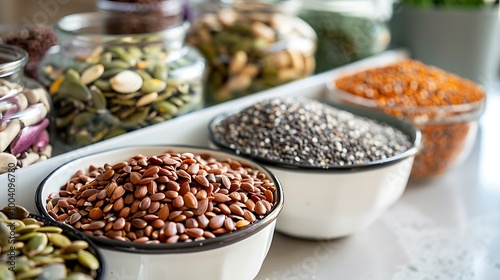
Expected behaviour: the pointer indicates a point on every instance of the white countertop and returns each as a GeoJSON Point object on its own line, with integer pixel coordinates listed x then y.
{"type": "Point", "coordinates": [446, 228]}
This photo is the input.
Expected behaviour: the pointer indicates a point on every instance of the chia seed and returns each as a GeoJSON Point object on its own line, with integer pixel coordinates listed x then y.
{"type": "Point", "coordinates": [307, 132]}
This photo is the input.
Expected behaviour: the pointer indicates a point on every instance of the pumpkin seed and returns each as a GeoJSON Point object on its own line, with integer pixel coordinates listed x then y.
{"type": "Point", "coordinates": [103, 85]}
{"type": "Point", "coordinates": [92, 73]}
{"type": "Point", "coordinates": [36, 245]}
{"type": "Point", "coordinates": [75, 246]}
{"type": "Point", "coordinates": [4, 234]}
{"type": "Point", "coordinates": [126, 82]}
{"type": "Point", "coordinates": [27, 228]}
{"type": "Point", "coordinates": [147, 99]}
{"type": "Point", "coordinates": [30, 221]}
{"type": "Point", "coordinates": [6, 274]}
{"type": "Point", "coordinates": [88, 260]}
{"type": "Point", "coordinates": [83, 119]}
{"type": "Point", "coordinates": [58, 239]}
{"type": "Point", "coordinates": [98, 99]}
{"type": "Point", "coordinates": [153, 85]}
{"type": "Point", "coordinates": [32, 273]}
{"type": "Point", "coordinates": [16, 212]}
{"type": "Point", "coordinates": [50, 229]}
{"type": "Point", "coordinates": [166, 107]}
{"type": "Point", "coordinates": [53, 271]}
{"type": "Point", "coordinates": [74, 89]}
{"type": "Point", "coordinates": [160, 72]}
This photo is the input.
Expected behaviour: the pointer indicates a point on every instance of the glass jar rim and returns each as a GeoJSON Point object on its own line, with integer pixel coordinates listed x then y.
{"type": "Point", "coordinates": [169, 7]}
{"type": "Point", "coordinates": [12, 59]}
{"type": "Point", "coordinates": [72, 25]}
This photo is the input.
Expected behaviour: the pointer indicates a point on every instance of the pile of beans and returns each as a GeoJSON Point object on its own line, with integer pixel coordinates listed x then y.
{"type": "Point", "coordinates": [302, 131]}
{"type": "Point", "coordinates": [424, 95]}
{"type": "Point", "coordinates": [166, 198]}
{"type": "Point", "coordinates": [31, 249]}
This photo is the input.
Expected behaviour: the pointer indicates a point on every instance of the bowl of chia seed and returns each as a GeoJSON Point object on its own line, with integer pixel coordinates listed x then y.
{"type": "Point", "coordinates": [341, 167]}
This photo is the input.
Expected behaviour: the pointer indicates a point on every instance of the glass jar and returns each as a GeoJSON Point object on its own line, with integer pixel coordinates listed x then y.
{"type": "Point", "coordinates": [143, 16]}
{"type": "Point", "coordinates": [251, 46]}
{"type": "Point", "coordinates": [103, 85]}
{"type": "Point", "coordinates": [24, 113]}
{"type": "Point", "coordinates": [347, 30]}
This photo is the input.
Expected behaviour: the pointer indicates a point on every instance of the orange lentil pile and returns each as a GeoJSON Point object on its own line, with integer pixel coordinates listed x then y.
{"type": "Point", "coordinates": [402, 87]}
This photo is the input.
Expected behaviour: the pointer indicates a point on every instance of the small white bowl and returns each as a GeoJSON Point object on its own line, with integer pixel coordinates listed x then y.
{"type": "Point", "coordinates": [341, 200]}
{"type": "Point", "coordinates": [237, 255]}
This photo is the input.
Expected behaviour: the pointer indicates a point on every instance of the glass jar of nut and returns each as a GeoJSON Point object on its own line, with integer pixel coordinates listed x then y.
{"type": "Point", "coordinates": [251, 46]}
{"type": "Point", "coordinates": [24, 113]}
{"type": "Point", "coordinates": [104, 83]}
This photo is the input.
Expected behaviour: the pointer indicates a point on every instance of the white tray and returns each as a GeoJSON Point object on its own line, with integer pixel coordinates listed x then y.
{"type": "Point", "coordinates": [191, 129]}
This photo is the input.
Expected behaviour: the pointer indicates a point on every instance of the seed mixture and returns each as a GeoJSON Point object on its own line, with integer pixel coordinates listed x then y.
{"type": "Point", "coordinates": [167, 198]}
{"type": "Point", "coordinates": [431, 91]}
{"type": "Point", "coordinates": [41, 251]}
{"type": "Point", "coordinates": [302, 131]}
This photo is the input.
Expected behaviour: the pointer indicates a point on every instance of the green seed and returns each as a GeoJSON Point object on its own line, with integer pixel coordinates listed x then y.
{"type": "Point", "coordinates": [16, 212]}
{"type": "Point", "coordinates": [144, 75]}
{"type": "Point", "coordinates": [31, 221]}
{"type": "Point", "coordinates": [35, 245]}
{"type": "Point", "coordinates": [48, 250]}
{"type": "Point", "coordinates": [69, 257]}
{"type": "Point", "coordinates": [72, 75]}
{"type": "Point", "coordinates": [153, 85]}
{"type": "Point", "coordinates": [45, 260]}
{"type": "Point", "coordinates": [147, 99]}
{"type": "Point", "coordinates": [22, 266]}
{"type": "Point", "coordinates": [50, 229]}
{"type": "Point", "coordinates": [66, 120]}
{"type": "Point", "coordinates": [88, 260]}
{"type": "Point", "coordinates": [177, 101]}
{"type": "Point", "coordinates": [98, 99]}
{"type": "Point", "coordinates": [135, 52]}
{"type": "Point", "coordinates": [166, 107]}
{"type": "Point", "coordinates": [58, 239]}
{"type": "Point", "coordinates": [75, 246]}
{"type": "Point", "coordinates": [106, 57]}
{"type": "Point", "coordinates": [160, 72]}
{"type": "Point", "coordinates": [6, 274]}
{"type": "Point", "coordinates": [137, 117]}
{"type": "Point", "coordinates": [27, 228]}
{"type": "Point", "coordinates": [53, 271]}
{"type": "Point", "coordinates": [33, 273]}
{"type": "Point", "coordinates": [103, 85]}
{"type": "Point", "coordinates": [111, 72]}
{"type": "Point", "coordinates": [83, 119]}
{"type": "Point", "coordinates": [4, 234]}
{"type": "Point", "coordinates": [74, 89]}
{"type": "Point", "coordinates": [115, 65]}
{"type": "Point", "coordinates": [83, 138]}
{"type": "Point", "coordinates": [28, 236]}
{"type": "Point", "coordinates": [113, 132]}
{"type": "Point", "coordinates": [3, 217]}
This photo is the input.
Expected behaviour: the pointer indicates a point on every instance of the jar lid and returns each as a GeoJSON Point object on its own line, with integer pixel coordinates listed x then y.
{"type": "Point", "coordinates": [12, 60]}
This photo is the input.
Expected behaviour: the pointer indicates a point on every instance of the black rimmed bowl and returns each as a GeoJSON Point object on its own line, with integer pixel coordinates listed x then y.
{"type": "Point", "coordinates": [340, 200]}
{"type": "Point", "coordinates": [236, 255]}
{"type": "Point", "coordinates": [73, 235]}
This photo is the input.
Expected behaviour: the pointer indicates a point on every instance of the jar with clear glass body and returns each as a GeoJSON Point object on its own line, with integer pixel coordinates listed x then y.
{"type": "Point", "coordinates": [103, 85]}
{"type": "Point", "coordinates": [347, 30]}
{"type": "Point", "coordinates": [251, 46]}
{"type": "Point", "coordinates": [24, 113]}
{"type": "Point", "coordinates": [144, 16]}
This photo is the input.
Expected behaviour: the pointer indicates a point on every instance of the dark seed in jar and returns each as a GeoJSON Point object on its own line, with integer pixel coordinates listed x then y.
{"type": "Point", "coordinates": [306, 132]}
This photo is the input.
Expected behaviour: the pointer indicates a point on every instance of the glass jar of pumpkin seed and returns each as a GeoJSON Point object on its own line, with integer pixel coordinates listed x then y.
{"type": "Point", "coordinates": [251, 46]}
{"type": "Point", "coordinates": [104, 84]}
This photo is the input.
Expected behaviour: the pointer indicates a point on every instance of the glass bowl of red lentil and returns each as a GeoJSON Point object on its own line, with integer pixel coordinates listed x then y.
{"type": "Point", "coordinates": [168, 211]}
{"type": "Point", "coordinates": [446, 108]}
{"type": "Point", "coordinates": [325, 197]}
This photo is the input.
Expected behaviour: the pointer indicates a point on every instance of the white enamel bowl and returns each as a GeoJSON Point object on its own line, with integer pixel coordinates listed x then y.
{"type": "Point", "coordinates": [338, 201]}
{"type": "Point", "coordinates": [237, 255]}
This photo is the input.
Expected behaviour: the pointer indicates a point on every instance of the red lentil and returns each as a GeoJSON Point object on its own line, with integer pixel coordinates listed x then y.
{"type": "Point", "coordinates": [424, 95]}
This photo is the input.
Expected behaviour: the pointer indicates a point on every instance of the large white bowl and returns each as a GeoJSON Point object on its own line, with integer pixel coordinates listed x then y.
{"type": "Point", "coordinates": [338, 201]}
{"type": "Point", "coordinates": [237, 255]}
